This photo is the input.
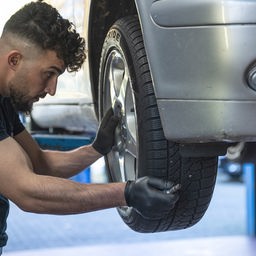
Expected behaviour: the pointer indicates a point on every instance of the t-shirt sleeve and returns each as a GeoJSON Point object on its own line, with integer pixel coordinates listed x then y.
{"type": "Point", "coordinates": [10, 123]}
{"type": "Point", "coordinates": [17, 125]}
{"type": "Point", "coordinates": [3, 133]}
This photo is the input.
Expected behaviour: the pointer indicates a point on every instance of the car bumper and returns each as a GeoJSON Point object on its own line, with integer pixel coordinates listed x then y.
{"type": "Point", "coordinates": [199, 67]}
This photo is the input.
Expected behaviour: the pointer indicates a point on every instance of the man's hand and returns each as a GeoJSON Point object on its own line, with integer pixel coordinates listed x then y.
{"type": "Point", "coordinates": [151, 197]}
{"type": "Point", "coordinates": [105, 136]}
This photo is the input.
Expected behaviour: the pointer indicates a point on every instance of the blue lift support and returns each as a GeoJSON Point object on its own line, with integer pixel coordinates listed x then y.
{"type": "Point", "coordinates": [250, 181]}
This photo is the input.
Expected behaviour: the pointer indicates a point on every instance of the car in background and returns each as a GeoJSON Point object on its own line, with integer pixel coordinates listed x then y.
{"type": "Point", "coordinates": [182, 77]}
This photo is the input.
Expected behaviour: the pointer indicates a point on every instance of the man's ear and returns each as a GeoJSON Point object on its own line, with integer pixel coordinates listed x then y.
{"type": "Point", "coordinates": [14, 59]}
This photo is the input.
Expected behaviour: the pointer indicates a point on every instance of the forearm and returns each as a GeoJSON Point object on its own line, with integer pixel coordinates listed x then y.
{"type": "Point", "coordinates": [46, 194]}
{"type": "Point", "coordinates": [59, 196]}
{"type": "Point", "coordinates": [68, 163]}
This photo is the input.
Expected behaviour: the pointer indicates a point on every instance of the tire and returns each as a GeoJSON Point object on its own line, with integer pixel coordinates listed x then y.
{"type": "Point", "coordinates": [141, 148]}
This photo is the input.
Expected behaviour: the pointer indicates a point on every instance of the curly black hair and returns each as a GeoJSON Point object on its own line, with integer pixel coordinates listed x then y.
{"type": "Point", "coordinates": [41, 24]}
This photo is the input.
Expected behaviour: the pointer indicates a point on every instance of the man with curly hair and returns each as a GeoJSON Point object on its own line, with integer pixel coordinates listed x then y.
{"type": "Point", "coordinates": [37, 45]}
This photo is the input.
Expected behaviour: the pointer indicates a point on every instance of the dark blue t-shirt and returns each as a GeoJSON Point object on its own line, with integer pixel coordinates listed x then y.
{"type": "Point", "coordinates": [10, 125]}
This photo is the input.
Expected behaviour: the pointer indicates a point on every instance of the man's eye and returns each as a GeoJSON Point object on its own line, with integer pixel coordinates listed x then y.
{"type": "Point", "coordinates": [49, 74]}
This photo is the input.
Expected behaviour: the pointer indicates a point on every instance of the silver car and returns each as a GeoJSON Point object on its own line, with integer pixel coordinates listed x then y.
{"type": "Point", "coordinates": [182, 77]}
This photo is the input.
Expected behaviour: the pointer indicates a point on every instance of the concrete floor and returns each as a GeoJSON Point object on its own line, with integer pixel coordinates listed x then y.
{"type": "Point", "coordinates": [216, 246]}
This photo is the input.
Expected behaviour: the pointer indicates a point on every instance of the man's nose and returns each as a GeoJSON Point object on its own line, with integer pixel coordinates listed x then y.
{"type": "Point", "coordinates": [51, 88]}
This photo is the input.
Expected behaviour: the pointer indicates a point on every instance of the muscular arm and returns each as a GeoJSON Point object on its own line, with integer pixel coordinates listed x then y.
{"type": "Point", "coordinates": [67, 164]}
{"type": "Point", "coordinates": [57, 163]}
{"type": "Point", "coordinates": [45, 194]}
{"type": "Point", "coordinates": [53, 195]}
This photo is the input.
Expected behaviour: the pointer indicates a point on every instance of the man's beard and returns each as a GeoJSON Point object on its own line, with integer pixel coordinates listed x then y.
{"type": "Point", "coordinates": [19, 101]}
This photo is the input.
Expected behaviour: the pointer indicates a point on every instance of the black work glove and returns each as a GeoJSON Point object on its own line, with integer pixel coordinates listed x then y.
{"type": "Point", "coordinates": [105, 136]}
{"type": "Point", "coordinates": [151, 197]}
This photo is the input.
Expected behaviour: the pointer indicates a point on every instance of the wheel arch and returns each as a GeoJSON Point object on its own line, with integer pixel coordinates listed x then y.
{"type": "Point", "coordinates": [103, 14]}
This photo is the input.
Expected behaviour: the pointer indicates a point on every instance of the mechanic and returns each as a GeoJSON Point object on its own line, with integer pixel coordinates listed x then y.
{"type": "Point", "coordinates": [36, 46]}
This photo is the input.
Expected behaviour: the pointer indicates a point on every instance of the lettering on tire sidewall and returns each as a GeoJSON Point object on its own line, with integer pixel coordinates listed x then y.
{"type": "Point", "coordinates": [114, 35]}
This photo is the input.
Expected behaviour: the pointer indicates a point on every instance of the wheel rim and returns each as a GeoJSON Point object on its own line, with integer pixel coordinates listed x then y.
{"type": "Point", "coordinates": [117, 82]}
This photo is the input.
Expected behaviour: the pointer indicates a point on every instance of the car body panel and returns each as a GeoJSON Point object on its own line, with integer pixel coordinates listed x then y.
{"type": "Point", "coordinates": [168, 13]}
{"type": "Point", "coordinates": [198, 67]}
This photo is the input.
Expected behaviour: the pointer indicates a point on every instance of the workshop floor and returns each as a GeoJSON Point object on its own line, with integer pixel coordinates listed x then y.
{"type": "Point", "coordinates": [222, 231]}
{"type": "Point", "coordinates": [215, 246]}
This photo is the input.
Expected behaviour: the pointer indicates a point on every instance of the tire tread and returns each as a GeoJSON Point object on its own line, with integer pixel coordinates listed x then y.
{"type": "Point", "coordinates": [162, 158]}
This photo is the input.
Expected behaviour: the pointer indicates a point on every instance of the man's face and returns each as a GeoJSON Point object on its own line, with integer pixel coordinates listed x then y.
{"type": "Point", "coordinates": [19, 95]}
{"type": "Point", "coordinates": [34, 79]}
